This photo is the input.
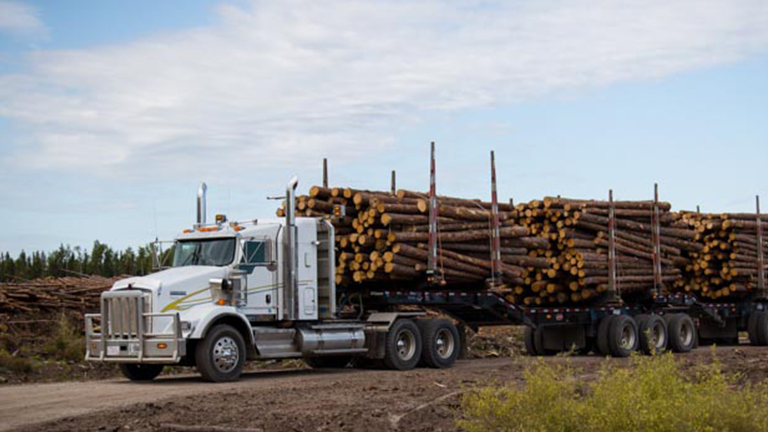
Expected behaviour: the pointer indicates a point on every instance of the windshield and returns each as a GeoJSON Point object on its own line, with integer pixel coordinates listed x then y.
{"type": "Point", "coordinates": [213, 252]}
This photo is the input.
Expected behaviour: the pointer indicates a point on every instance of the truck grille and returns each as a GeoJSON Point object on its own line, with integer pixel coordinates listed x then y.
{"type": "Point", "coordinates": [123, 311]}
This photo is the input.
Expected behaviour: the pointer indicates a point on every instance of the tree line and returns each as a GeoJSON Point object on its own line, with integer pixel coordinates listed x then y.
{"type": "Point", "coordinates": [101, 260]}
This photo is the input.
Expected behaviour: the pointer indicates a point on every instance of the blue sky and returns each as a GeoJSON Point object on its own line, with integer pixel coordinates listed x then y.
{"type": "Point", "coordinates": [112, 112]}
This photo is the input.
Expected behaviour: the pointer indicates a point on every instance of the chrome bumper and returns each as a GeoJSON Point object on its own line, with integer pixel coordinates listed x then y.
{"type": "Point", "coordinates": [123, 333]}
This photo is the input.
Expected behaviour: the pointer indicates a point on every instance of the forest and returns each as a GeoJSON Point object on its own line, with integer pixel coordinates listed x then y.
{"type": "Point", "coordinates": [100, 260]}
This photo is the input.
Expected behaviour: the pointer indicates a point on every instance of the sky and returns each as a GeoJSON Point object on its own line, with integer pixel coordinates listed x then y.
{"type": "Point", "coordinates": [111, 113]}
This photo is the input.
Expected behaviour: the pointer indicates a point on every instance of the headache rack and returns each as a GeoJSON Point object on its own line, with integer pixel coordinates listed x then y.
{"type": "Point", "coordinates": [123, 331]}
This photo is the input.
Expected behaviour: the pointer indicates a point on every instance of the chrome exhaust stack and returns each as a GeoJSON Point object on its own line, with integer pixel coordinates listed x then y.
{"type": "Point", "coordinates": [201, 210]}
{"type": "Point", "coordinates": [290, 276]}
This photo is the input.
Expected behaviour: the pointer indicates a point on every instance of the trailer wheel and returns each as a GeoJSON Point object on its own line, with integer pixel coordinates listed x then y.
{"type": "Point", "coordinates": [653, 334]}
{"type": "Point", "coordinates": [329, 362]}
{"type": "Point", "coordinates": [757, 327]}
{"type": "Point", "coordinates": [140, 372]}
{"type": "Point", "coordinates": [602, 335]}
{"type": "Point", "coordinates": [760, 328]}
{"type": "Point", "coordinates": [221, 355]}
{"type": "Point", "coordinates": [402, 350]}
{"type": "Point", "coordinates": [530, 344]}
{"type": "Point", "coordinates": [440, 342]}
{"type": "Point", "coordinates": [622, 336]}
{"type": "Point", "coordinates": [681, 331]}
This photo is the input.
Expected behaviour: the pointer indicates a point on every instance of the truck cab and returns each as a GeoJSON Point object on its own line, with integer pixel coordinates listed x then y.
{"type": "Point", "coordinates": [243, 290]}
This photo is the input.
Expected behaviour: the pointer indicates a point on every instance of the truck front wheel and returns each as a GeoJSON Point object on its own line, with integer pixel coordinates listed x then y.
{"type": "Point", "coordinates": [221, 355]}
{"type": "Point", "coordinates": [140, 372]}
{"type": "Point", "coordinates": [402, 350]}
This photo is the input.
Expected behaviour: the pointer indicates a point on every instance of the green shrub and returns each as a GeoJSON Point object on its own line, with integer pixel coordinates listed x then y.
{"type": "Point", "coordinates": [67, 343]}
{"type": "Point", "coordinates": [653, 395]}
{"type": "Point", "coordinates": [19, 365]}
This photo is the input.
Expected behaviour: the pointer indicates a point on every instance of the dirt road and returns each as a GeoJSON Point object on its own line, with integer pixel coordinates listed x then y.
{"type": "Point", "coordinates": [298, 400]}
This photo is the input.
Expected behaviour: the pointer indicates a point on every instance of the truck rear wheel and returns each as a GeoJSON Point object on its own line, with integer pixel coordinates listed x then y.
{"type": "Point", "coordinates": [682, 332]}
{"type": "Point", "coordinates": [329, 362]}
{"type": "Point", "coordinates": [402, 349]}
{"type": "Point", "coordinates": [440, 342]}
{"type": "Point", "coordinates": [221, 355]}
{"type": "Point", "coordinates": [140, 372]}
{"type": "Point", "coordinates": [653, 334]}
{"type": "Point", "coordinates": [622, 336]}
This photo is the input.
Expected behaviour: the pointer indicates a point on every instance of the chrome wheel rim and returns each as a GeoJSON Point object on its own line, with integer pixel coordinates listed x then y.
{"type": "Point", "coordinates": [225, 354]}
{"type": "Point", "coordinates": [406, 345]}
{"type": "Point", "coordinates": [444, 343]}
{"type": "Point", "coordinates": [627, 338]}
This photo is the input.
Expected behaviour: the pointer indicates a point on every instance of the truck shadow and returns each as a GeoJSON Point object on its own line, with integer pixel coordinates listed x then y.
{"type": "Point", "coordinates": [261, 375]}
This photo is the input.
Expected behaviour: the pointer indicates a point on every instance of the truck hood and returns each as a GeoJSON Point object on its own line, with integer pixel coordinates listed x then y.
{"type": "Point", "coordinates": [177, 288]}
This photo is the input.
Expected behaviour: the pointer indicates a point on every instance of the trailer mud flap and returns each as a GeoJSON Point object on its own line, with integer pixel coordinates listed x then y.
{"type": "Point", "coordinates": [562, 337]}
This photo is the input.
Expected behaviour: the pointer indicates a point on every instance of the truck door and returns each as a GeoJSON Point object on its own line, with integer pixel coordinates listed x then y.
{"type": "Point", "coordinates": [259, 263]}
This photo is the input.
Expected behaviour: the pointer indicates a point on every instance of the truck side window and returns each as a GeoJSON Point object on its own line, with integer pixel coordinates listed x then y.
{"type": "Point", "coordinates": [254, 254]}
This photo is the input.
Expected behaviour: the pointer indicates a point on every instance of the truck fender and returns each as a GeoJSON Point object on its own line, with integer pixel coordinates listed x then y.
{"type": "Point", "coordinates": [204, 317]}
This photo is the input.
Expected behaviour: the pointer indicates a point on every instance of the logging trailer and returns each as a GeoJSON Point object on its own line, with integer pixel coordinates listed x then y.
{"type": "Point", "coordinates": [265, 289]}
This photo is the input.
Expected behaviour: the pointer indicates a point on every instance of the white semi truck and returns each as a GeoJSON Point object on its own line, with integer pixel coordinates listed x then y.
{"type": "Point", "coordinates": [265, 289]}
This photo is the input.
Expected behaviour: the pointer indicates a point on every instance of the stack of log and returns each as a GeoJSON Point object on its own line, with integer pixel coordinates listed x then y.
{"type": "Point", "coordinates": [72, 294]}
{"type": "Point", "coordinates": [554, 251]}
{"type": "Point", "coordinates": [726, 265]}
{"type": "Point", "coordinates": [384, 236]}
{"type": "Point", "coordinates": [574, 265]}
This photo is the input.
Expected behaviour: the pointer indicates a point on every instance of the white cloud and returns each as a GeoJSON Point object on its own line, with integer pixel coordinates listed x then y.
{"type": "Point", "coordinates": [19, 19]}
{"type": "Point", "coordinates": [280, 82]}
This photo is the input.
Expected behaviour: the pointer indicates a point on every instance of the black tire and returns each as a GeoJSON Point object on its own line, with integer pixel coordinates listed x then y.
{"type": "Point", "coordinates": [752, 328]}
{"type": "Point", "coordinates": [439, 342]}
{"type": "Point", "coordinates": [682, 332]}
{"type": "Point", "coordinates": [757, 327]}
{"type": "Point", "coordinates": [403, 356]}
{"type": "Point", "coordinates": [654, 337]}
{"type": "Point", "coordinates": [530, 344]}
{"type": "Point", "coordinates": [761, 328]}
{"type": "Point", "coordinates": [601, 344]}
{"type": "Point", "coordinates": [622, 336]}
{"type": "Point", "coordinates": [221, 355]}
{"type": "Point", "coordinates": [329, 362]}
{"type": "Point", "coordinates": [141, 372]}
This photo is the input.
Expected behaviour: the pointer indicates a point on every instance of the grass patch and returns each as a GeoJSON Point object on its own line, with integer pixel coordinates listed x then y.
{"type": "Point", "coordinates": [652, 395]}
{"type": "Point", "coordinates": [17, 365]}
{"type": "Point", "coordinates": [67, 343]}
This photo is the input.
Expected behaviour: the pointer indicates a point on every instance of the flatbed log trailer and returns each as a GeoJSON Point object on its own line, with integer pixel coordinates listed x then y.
{"type": "Point", "coordinates": [651, 323]}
